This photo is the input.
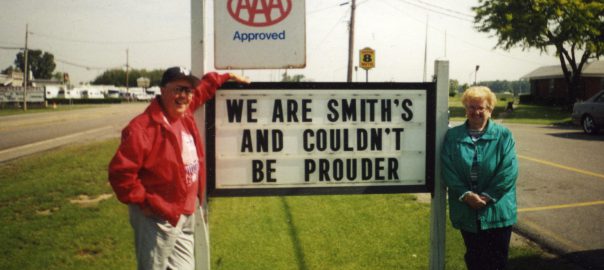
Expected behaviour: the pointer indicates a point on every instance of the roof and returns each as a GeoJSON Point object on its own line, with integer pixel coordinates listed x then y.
{"type": "Point", "coordinates": [43, 82]}
{"type": "Point", "coordinates": [5, 80]}
{"type": "Point", "coordinates": [593, 69]}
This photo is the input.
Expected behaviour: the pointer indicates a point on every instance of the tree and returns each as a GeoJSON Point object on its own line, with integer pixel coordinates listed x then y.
{"type": "Point", "coordinates": [7, 70]}
{"type": "Point", "coordinates": [464, 87]}
{"type": "Point", "coordinates": [294, 78]}
{"type": "Point", "coordinates": [60, 76]}
{"type": "Point", "coordinates": [575, 28]}
{"type": "Point", "coordinates": [117, 77]}
{"type": "Point", "coordinates": [41, 64]}
{"type": "Point", "coordinates": [453, 86]}
{"type": "Point", "coordinates": [515, 87]}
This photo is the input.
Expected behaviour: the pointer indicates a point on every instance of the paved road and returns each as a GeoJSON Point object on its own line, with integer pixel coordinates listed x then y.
{"type": "Point", "coordinates": [561, 191]}
{"type": "Point", "coordinates": [29, 133]}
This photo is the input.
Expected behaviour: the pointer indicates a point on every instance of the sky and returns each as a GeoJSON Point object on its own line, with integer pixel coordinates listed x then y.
{"type": "Point", "coordinates": [88, 37]}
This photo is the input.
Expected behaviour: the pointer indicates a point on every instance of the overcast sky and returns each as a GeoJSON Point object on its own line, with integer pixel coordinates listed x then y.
{"type": "Point", "coordinates": [89, 36]}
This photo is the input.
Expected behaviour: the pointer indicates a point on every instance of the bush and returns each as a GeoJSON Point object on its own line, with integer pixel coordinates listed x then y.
{"type": "Point", "coordinates": [526, 99]}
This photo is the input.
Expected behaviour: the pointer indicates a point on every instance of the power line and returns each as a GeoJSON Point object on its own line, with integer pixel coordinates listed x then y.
{"type": "Point", "coordinates": [83, 66]}
{"type": "Point", "coordinates": [10, 48]}
{"type": "Point", "coordinates": [445, 9]}
{"type": "Point", "coordinates": [67, 62]}
{"type": "Point", "coordinates": [109, 42]}
{"type": "Point", "coordinates": [321, 9]}
{"type": "Point", "coordinates": [344, 14]}
{"type": "Point", "coordinates": [431, 9]}
{"type": "Point", "coordinates": [499, 53]}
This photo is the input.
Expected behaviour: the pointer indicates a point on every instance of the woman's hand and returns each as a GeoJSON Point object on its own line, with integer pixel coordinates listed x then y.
{"type": "Point", "coordinates": [474, 201]}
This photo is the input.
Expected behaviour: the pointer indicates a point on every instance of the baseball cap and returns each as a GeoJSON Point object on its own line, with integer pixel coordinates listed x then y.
{"type": "Point", "coordinates": [178, 73]}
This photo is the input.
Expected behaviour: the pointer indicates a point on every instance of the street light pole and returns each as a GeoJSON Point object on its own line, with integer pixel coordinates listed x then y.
{"type": "Point", "coordinates": [476, 73]}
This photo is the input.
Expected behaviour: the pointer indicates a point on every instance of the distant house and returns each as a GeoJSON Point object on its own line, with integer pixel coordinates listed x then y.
{"type": "Point", "coordinates": [13, 78]}
{"type": "Point", "coordinates": [46, 82]}
{"type": "Point", "coordinates": [549, 86]}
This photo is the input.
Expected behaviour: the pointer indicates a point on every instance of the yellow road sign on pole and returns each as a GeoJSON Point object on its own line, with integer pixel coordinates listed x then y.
{"type": "Point", "coordinates": [367, 58]}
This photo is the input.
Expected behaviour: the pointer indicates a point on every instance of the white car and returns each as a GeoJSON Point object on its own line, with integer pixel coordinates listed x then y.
{"type": "Point", "coordinates": [590, 113]}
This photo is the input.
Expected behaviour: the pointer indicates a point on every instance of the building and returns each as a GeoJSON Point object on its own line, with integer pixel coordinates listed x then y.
{"type": "Point", "coordinates": [13, 78]}
{"type": "Point", "coordinates": [548, 84]}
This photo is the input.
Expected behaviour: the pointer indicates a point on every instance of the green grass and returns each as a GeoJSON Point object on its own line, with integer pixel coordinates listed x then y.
{"type": "Point", "coordinates": [523, 113]}
{"type": "Point", "coordinates": [307, 232]}
{"type": "Point", "coordinates": [71, 237]}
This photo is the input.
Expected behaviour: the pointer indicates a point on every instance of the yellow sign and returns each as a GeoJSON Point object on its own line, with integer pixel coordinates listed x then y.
{"type": "Point", "coordinates": [367, 58]}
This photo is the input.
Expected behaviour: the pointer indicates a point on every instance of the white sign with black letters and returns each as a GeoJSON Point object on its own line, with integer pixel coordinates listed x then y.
{"type": "Point", "coordinates": [272, 138]}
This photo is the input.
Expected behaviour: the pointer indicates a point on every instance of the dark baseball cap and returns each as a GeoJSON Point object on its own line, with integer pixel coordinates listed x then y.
{"type": "Point", "coordinates": [178, 73]}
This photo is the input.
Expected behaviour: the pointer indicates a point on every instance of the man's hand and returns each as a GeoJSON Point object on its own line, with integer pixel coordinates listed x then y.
{"type": "Point", "coordinates": [238, 79]}
{"type": "Point", "coordinates": [474, 201]}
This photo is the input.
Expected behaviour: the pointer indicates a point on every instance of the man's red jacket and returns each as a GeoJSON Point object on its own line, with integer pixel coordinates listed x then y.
{"type": "Point", "coordinates": [147, 169]}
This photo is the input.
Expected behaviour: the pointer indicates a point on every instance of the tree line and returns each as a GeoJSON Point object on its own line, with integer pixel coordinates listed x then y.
{"type": "Point", "coordinates": [517, 87]}
{"type": "Point", "coordinates": [42, 66]}
{"type": "Point", "coordinates": [117, 77]}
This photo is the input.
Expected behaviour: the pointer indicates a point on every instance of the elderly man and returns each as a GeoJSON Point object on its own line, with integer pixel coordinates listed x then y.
{"type": "Point", "coordinates": [159, 170]}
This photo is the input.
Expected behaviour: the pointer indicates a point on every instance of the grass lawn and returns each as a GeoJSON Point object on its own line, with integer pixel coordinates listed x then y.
{"type": "Point", "coordinates": [43, 229]}
{"type": "Point", "coordinates": [523, 113]}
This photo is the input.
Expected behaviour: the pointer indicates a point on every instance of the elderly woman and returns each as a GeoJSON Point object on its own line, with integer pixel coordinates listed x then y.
{"type": "Point", "coordinates": [480, 170]}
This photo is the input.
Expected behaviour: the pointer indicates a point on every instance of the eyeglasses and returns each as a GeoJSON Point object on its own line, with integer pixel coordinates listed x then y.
{"type": "Point", "coordinates": [479, 109]}
{"type": "Point", "coordinates": [182, 89]}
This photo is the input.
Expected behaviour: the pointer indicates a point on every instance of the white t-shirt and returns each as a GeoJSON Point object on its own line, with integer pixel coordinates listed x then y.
{"type": "Point", "coordinates": [191, 162]}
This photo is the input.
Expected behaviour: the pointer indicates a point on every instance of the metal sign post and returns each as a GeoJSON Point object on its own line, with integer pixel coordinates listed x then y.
{"type": "Point", "coordinates": [202, 231]}
{"type": "Point", "coordinates": [438, 206]}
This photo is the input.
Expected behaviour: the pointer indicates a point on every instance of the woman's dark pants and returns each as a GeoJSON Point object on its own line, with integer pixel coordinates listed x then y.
{"type": "Point", "coordinates": [487, 249]}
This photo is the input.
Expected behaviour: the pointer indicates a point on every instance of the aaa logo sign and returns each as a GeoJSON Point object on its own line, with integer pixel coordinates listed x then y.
{"type": "Point", "coordinates": [259, 13]}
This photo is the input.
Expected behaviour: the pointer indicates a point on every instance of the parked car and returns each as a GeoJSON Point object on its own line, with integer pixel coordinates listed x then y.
{"type": "Point", "coordinates": [590, 113]}
{"type": "Point", "coordinates": [113, 93]}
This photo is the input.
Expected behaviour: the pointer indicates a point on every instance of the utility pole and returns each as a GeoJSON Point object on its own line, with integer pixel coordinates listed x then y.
{"type": "Point", "coordinates": [127, 73]}
{"type": "Point", "coordinates": [25, 67]}
{"type": "Point", "coordinates": [350, 40]}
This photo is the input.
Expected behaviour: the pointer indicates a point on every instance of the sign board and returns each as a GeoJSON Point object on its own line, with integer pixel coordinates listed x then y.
{"type": "Point", "coordinates": [259, 34]}
{"type": "Point", "coordinates": [320, 138]}
{"type": "Point", "coordinates": [367, 58]}
{"type": "Point", "coordinates": [15, 94]}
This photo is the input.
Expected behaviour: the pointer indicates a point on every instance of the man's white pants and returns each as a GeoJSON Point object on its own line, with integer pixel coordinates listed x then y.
{"type": "Point", "coordinates": [161, 246]}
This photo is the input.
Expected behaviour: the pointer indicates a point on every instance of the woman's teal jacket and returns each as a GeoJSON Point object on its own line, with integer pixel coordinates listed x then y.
{"type": "Point", "coordinates": [497, 173]}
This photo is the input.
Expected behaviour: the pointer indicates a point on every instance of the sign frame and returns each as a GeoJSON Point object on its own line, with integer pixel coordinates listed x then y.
{"type": "Point", "coordinates": [430, 147]}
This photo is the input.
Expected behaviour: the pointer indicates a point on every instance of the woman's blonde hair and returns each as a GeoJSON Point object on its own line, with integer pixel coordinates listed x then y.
{"type": "Point", "coordinates": [479, 93]}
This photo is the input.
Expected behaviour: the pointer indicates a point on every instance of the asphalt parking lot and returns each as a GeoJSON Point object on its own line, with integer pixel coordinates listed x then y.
{"type": "Point", "coordinates": [561, 191]}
